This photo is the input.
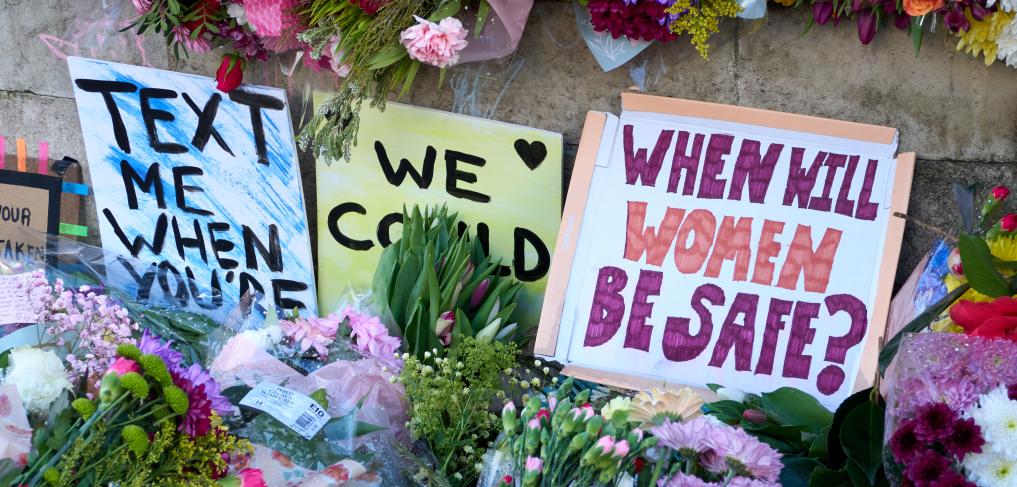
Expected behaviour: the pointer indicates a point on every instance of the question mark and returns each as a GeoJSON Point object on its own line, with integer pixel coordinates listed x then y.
{"type": "Point", "coordinates": [832, 377]}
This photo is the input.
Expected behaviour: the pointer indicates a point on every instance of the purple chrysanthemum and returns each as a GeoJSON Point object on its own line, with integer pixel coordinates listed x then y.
{"type": "Point", "coordinates": [204, 398]}
{"type": "Point", "coordinates": [965, 438]}
{"type": "Point", "coordinates": [905, 443]}
{"type": "Point", "coordinates": [934, 421]}
{"type": "Point", "coordinates": [150, 343]}
{"type": "Point", "coordinates": [928, 467]}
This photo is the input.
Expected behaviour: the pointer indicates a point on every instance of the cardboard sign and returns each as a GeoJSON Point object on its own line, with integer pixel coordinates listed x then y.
{"type": "Point", "coordinates": [203, 185]}
{"type": "Point", "coordinates": [504, 180]}
{"type": "Point", "coordinates": [705, 243]}
{"type": "Point", "coordinates": [27, 201]}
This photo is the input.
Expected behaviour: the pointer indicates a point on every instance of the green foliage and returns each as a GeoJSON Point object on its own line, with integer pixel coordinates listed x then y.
{"type": "Point", "coordinates": [449, 403]}
{"type": "Point", "coordinates": [187, 330]}
{"type": "Point", "coordinates": [980, 268]}
{"type": "Point", "coordinates": [435, 268]}
{"type": "Point", "coordinates": [820, 448]}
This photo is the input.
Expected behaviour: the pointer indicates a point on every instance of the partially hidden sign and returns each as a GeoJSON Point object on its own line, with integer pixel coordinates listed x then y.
{"type": "Point", "coordinates": [28, 201]}
{"type": "Point", "coordinates": [504, 181]}
{"type": "Point", "coordinates": [705, 243]}
{"type": "Point", "coordinates": [202, 185]}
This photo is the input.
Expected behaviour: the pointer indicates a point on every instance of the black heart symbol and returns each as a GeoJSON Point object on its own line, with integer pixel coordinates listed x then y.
{"type": "Point", "coordinates": [532, 153]}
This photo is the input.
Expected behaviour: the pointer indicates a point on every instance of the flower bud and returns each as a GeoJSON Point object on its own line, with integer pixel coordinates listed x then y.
{"type": "Point", "coordinates": [478, 294]}
{"type": "Point", "coordinates": [578, 442]}
{"type": "Point", "coordinates": [754, 416]}
{"type": "Point", "coordinates": [621, 449]}
{"type": "Point", "coordinates": [953, 262]}
{"type": "Point", "coordinates": [109, 388]}
{"type": "Point", "coordinates": [594, 425]}
{"type": "Point", "coordinates": [821, 12]}
{"type": "Point", "coordinates": [1008, 224]}
{"type": "Point", "coordinates": [867, 23]}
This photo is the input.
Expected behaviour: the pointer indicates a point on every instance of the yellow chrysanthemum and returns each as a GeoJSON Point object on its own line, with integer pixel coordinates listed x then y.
{"type": "Point", "coordinates": [980, 39]}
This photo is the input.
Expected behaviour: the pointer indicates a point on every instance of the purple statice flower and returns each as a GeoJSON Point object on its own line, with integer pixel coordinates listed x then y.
{"type": "Point", "coordinates": [150, 343]}
{"type": "Point", "coordinates": [204, 399]}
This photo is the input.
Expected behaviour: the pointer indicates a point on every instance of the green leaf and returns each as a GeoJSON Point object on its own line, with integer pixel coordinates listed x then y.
{"type": "Point", "coordinates": [408, 82]}
{"type": "Point", "coordinates": [918, 324]}
{"type": "Point", "coordinates": [819, 449]}
{"type": "Point", "coordinates": [404, 282]}
{"type": "Point", "coordinates": [797, 471]}
{"type": "Point", "coordinates": [727, 411]}
{"type": "Point", "coordinates": [979, 269]}
{"type": "Point", "coordinates": [916, 34]}
{"type": "Point", "coordinates": [825, 477]}
{"type": "Point", "coordinates": [483, 10]}
{"type": "Point", "coordinates": [447, 9]}
{"type": "Point", "coordinates": [862, 438]}
{"type": "Point", "coordinates": [796, 408]}
{"type": "Point", "coordinates": [368, 428]}
{"type": "Point", "coordinates": [836, 456]}
{"type": "Point", "coordinates": [387, 56]}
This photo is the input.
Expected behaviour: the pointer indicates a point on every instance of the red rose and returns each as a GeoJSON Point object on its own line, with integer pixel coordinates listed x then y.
{"type": "Point", "coordinates": [230, 73]}
{"type": "Point", "coordinates": [997, 319]}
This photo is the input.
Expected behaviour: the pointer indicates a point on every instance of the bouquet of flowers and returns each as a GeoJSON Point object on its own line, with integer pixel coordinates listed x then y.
{"type": "Point", "coordinates": [565, 442]}
{"type": "Point", "coordinates": [952, 411]}
{"type": "Point", "coordinates": [440, 286]}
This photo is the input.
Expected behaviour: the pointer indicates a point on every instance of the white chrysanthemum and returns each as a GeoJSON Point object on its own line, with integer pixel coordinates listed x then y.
{"type": "Point", "coordinates": [996, 414]}
{"type": "Point", "coordinates": [1007, 5]}
{"type": "Point", "coordinates": [991, 470]}
{"type": "Point", "coordinates": [1006, 44]}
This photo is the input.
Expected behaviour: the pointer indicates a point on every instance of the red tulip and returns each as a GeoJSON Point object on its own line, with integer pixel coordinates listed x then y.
{"type": "Point", "coordinates": [230, 73]}
{"type": "Point", "coordinates": [866, 26]}
{"type": "Point", "coordinates": [997, 319]}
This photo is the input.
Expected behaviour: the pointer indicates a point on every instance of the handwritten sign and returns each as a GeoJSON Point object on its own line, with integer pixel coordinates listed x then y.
{"type": "Point", "coordinates": [27, 201]}
{"type": "Point", "coordinates": [15, 305]}
{"type": "Point", "coordinates": [202, 185]}
{"type": "Point", "coordinates": [712, 244]}
{"type": "Point", "coordinates": [504, 180]}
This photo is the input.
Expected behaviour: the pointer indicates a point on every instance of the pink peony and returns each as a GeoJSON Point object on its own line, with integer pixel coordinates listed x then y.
{"type": "Point", "coordinates": [435, 44]}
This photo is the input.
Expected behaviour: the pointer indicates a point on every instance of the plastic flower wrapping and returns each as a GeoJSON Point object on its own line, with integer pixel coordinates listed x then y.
{"type": "Point", "coordinates": [952, 411]}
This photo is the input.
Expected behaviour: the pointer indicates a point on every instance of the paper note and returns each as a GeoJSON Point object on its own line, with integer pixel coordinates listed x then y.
{"type": "Point", "coordinates": [15, 307]}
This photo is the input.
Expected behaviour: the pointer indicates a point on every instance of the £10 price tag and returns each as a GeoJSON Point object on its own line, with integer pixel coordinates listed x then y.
{"type": "Point", "coordinates": [293, 409]}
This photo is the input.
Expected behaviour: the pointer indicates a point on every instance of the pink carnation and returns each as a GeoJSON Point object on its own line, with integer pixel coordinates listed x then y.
{"type": "Point", "coordinates": [369, 335]}
{"type": "Point", "coordinates": [317, 333]}
{"type": "Point", "coordinates": [122, 366]}
{"type": "Point", "coordinates": [142, 6]}
{"type": "Point", "coordinates": [435, 44]}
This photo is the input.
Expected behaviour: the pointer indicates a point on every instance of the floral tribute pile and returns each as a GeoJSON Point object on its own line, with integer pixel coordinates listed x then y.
{"type": "Point", "coordinates": [372, 47]}
{"type": "Point", "coordinates": [982, 27]}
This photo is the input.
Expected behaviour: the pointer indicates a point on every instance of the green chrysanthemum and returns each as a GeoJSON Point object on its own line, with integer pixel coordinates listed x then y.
{"type": "Point", "coordinates": [51, 476]}
{"type": "Point", "coordinates": [176, 398]}
{"type": "Point", "coordinates": [135, 384]}
{"type": "Point", "coordinates": [129, 351]}
{"type": "Point", "coordinates": [135, 438]}
{"type": "Point", "coordinates": [156, 368]}
{"type": "Point", "coordinates": [84, 407]}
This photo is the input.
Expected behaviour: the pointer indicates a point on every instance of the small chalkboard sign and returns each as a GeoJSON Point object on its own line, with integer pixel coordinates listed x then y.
{"type": "Point", "coordinates": [27, 201]}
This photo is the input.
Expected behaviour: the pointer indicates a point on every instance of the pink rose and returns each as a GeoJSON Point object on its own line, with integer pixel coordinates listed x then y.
{"type": "Point", "coordinates": [122, 366]}
{"type": "Point", "coordinates": [435, 44]}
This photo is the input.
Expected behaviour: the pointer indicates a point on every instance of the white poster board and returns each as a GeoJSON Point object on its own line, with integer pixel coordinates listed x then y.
{"type": "Point", "coordinates": [707, 244]}
{"type": "Point", "coordinates": [203, 185]}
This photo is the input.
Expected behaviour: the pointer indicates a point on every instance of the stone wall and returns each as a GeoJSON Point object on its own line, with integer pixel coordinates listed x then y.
{"type": "Point", "coordinates": [958, 115]}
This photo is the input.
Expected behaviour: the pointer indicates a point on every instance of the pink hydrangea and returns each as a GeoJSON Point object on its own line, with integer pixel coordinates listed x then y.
{"type": "Point", "coordinates": [435, 44]}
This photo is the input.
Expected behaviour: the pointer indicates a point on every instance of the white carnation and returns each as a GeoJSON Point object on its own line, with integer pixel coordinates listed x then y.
{"type": "Point", "coordinates": [38, 375]}
{"type": "Point", "coordinates": [991, 470]}
{"type": "Point", "coordinates": [996, 414]}
{"type": "Point", "coordinates": [1006, 44]}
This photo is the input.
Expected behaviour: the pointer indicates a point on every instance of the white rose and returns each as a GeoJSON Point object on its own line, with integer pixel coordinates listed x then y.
{"type": "Point", "coordinates": [38, 375]}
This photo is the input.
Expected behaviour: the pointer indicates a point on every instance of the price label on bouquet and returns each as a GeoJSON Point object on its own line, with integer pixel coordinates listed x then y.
{"type": "Point", "coordinates": [202, 187]}
{"type": "Point", "coordinates": [298, 412]}
{"type": "Point", "coordinates": [705, 243]}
